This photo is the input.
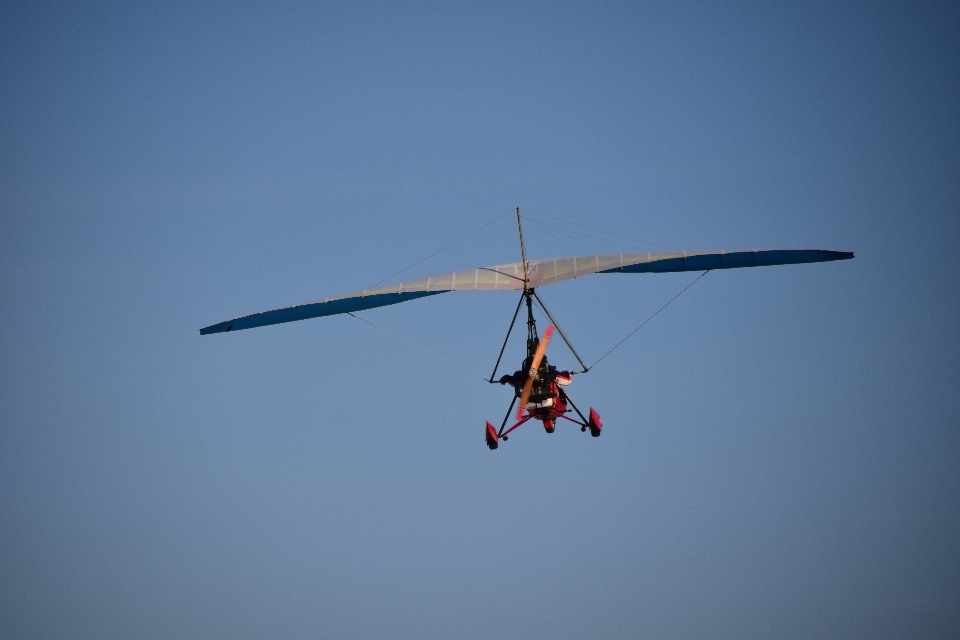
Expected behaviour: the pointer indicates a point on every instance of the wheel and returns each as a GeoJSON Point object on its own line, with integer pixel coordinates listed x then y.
{"type": "Point", "coordinates": [583, 428]}
{"type": "Point", "coordinates": [504, 438]}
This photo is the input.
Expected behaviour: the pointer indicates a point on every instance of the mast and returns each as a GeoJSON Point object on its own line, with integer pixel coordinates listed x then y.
{"type": "Point", "coordinates": [532, 338]}
{"type": "Point", "coordinates": [523, 251]}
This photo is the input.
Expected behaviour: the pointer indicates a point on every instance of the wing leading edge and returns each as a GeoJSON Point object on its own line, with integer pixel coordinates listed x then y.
{"type": "Point", "coordinates": [540, 273]}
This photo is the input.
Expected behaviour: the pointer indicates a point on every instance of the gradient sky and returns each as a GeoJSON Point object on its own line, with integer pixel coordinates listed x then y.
{"type": "Point", "coordinates": [781, 445]}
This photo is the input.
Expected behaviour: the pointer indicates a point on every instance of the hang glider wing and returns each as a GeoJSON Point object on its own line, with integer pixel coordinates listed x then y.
{"type": "Point", "coordinates": [540, 273]}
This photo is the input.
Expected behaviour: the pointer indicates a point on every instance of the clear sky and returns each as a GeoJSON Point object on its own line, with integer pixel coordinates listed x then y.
{"type": "Point", "coordinates": [781, 445]}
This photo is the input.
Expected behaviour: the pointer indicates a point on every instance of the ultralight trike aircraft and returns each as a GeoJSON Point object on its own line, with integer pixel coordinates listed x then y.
{"type": "Point", "coordinates": [538, 385]}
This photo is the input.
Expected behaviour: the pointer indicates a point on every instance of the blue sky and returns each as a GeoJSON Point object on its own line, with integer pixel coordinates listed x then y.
{"type": "Point", "coordinates": [780, 449]}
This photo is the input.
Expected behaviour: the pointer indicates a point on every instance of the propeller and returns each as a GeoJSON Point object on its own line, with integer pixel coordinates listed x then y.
{"type": "Point", "coordinates": [534, 365]}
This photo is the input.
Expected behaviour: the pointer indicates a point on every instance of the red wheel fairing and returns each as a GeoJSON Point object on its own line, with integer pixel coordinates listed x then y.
{"type": "Point", "coordinates": [595, 424]}
{"type": "Point", "coordinates": [491, 435]}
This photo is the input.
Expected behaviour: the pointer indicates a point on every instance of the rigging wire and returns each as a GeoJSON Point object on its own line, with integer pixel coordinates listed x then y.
{"type": "Point", "coordinates": [580, 235]}
{"type": "Point", "coordinates": [619, 235]}
{"type": "Point", "coordinates": [414, 344]}
{"type": "Point", "coordinates": [650, 318]}
{"type": "Point", "coordinates": [442, 250]}
{"type": "Point", "coordinates": [553, 231]}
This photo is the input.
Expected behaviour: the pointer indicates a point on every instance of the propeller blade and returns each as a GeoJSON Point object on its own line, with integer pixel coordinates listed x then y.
{"type": "Point", "coordinates": [537, 357]}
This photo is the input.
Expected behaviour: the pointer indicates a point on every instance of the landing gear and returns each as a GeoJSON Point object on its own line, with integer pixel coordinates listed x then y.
{"type": "Point", "coordinates": [593, 423]}
{"type": "Point", "coordinates": [549, 420]}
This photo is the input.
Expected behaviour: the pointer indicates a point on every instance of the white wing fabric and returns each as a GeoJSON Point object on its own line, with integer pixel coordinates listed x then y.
{"type": "Point", "coordinates": [539, 272]}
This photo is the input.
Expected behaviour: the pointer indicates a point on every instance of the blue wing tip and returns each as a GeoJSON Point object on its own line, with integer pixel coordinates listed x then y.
{"type": "Point", "coordinates": [216, 328]}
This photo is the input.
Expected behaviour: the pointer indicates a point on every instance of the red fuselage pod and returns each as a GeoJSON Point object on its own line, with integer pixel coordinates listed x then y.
{"type": "Point", "coordinates": [549, 408]}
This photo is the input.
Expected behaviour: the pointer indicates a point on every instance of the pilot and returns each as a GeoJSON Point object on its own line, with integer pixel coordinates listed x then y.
{"type": "Point", "coordinates": [545, 388]}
